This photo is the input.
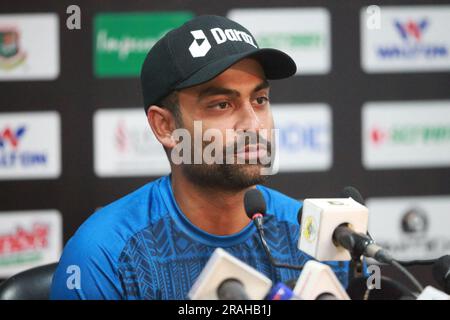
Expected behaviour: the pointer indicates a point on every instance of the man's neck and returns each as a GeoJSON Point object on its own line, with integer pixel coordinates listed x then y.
{"type": "Point", "coordinates": [215, 212]}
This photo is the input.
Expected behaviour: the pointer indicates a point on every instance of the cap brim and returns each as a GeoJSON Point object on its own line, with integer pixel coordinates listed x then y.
{"type": "Point", "coordinates": [276, 65]}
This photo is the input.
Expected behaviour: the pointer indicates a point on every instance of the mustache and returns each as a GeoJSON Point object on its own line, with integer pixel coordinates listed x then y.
{"type": "Point", "coordinates": [246, 140]}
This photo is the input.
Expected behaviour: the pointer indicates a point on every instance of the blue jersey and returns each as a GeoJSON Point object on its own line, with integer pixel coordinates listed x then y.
{"type": "Point", "coordinates": [143, 247]}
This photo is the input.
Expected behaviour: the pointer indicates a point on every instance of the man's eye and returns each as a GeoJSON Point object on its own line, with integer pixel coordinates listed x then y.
{"type": "Point", "coordinates": [220, 105]}
{"type": "Point", "coordinates": [262, 100]}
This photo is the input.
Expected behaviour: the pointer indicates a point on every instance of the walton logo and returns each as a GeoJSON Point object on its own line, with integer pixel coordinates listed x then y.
{"type": "Point", "coordinates": [412, 46]}
{"type": "Point", "coordinates": [12, 137]}
{"type": "Point", "coordinates": [13, 156]}
{"type": "Point", "coordinates": [200, 46]}
{"type": "Point", "coordinates": [411, 29]}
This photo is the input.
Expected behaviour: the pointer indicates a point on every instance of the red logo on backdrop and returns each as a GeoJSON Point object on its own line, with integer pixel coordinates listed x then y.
{"type": "Point", "coordinates": [25, 240]}
{"type": "Point", "coordinates": [121, 136]}
{"type": "Point", "coordinates": [11, 136]}
{"type": "Point", "coordinates": [377, 136]}
{"type": "Point", "coordinates": [411, 29]}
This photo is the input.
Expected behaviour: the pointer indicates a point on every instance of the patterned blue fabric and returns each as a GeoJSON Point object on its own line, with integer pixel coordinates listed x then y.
{"type": "Point", "coordinates": [143, 247]}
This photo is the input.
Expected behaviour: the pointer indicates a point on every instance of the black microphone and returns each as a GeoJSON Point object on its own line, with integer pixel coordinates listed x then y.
{"type": "Point", "coordinates": [352, 192]}
{"type": "Point", "coordinates": [255, 208]}
{"type": "Point", "coordinates": [441, 272]}
{"type": "Point", "coordinates": [232, 289]}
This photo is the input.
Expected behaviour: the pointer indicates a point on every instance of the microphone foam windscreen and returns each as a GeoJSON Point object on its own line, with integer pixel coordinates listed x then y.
{"type": "Point", "coordinates": [254, 203]}
{"type": "Point", "coordinates": [353, 193]}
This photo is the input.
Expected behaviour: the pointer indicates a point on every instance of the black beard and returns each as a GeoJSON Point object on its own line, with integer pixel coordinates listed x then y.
{"type": "Point", "coordinates": [226, 177]}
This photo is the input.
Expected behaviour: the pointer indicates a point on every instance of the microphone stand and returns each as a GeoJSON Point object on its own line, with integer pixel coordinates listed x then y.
{"type": "Point", "coordinates": [355, 268]}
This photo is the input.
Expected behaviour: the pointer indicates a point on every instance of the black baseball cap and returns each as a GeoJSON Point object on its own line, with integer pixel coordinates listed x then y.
{"type": "Point", "coordinates": [200, 50]}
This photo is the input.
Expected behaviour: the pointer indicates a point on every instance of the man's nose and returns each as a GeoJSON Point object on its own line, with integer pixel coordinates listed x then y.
{"type": "Point", "coordinates": [248, 120]}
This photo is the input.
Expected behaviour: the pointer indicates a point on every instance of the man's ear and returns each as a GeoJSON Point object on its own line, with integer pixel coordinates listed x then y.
{"type": "Point", "coordinates": [162, 123]}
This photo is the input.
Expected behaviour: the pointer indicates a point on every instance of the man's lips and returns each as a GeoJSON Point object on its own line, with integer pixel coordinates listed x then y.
{"type": "Point", "coordinates": [252, 152]}
{"type": "Point", "coordinates": [251, 148]}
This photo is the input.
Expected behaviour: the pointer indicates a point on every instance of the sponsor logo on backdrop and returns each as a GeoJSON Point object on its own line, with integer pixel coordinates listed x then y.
{"type": "Point", "coordinates": [305, 141]}
{"type": "Point", "coordinates": [29, 145]}
{"type": "Point", "coordinates": [11, 54]}
{"type": "Point", "coordinates": [303, 33]}
{"type": "Point", "coordinates": [122, 40]}
{"type": "Point", "coordinates": [411, 38]}
{"type": "Point", "coordinates": [413, 44]}
{"type": "Point", "coordinates": [411, 227]}
{"type": "Point", "coordinates": [406, 134]}
{"type": "Point", "coordinates": [29, 239]}
{"type": "Point", "coordinates": [29, 46]}
{"type": "Point", "coordinates": [124, 145]}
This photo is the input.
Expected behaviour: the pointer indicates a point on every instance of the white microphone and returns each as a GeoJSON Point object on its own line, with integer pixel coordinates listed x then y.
{"type": "Point", "coordinates": [319, 221]}
{"type": "Point", "coordinates": [226, 277]}
{"type": "Point", "coordinates": [318, 282]}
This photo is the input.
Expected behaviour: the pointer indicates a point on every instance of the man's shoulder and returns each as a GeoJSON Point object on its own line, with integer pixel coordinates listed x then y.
{"type": "Point", "coordinates": [281, 205]}
{"type": "Point", "coordinates": [98, 243]}
{"type": "Point", "coordinates": [113, 224]}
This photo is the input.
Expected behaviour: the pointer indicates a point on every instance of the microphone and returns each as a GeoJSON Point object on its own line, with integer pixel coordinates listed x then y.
{"type": "Point", "coordinates": [318, 282]}
{"type": "Point", "coordinates": [255, 208]}
{"type": "Point", "coordinates": [335, 230]}
{"type": "Point", "coordinates": [347, 192]}
{"type": "Point", "coordinates": [226, 277]}
{"type": "Point", "coordinates": [232, 289]}
{"type": "Point", "coordinates": [344, 222]}
{"type": "Point", "coordinates": [326, 234]}
{"type": "Point", "coordinates": [441, 272]}
{"type": "Point", "coordinates": [379, 253]}
{"type": "Point", "coordinates": [352, 192]}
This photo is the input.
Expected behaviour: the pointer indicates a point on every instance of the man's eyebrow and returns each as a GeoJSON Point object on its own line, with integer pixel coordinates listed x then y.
{"type": "Point", "coordinates": [263, 85]}
{"type": "Point", "coordinates": [211, 91]}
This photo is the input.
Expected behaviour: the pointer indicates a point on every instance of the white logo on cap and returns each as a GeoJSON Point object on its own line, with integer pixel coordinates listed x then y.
{"type": "Point", "coordinates": [200, 46]}
{"type": "Point", "coordinates": [222, 36]}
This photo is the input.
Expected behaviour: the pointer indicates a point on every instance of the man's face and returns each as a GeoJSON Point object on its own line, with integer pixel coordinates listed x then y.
{"type": "Point", "coordinates": [236, 102]}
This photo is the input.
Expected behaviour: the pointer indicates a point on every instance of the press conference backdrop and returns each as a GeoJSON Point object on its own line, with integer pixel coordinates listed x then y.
{"type": "Point", "coordinates": [369, 107]}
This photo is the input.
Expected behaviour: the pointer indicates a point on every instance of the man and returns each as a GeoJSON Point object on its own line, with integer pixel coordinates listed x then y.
{"type": "Point", "coordinates": [154, 242]}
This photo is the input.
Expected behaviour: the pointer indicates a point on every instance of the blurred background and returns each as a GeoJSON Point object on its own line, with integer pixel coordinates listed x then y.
{"type": "Point", "coordinates": [369, 108]}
